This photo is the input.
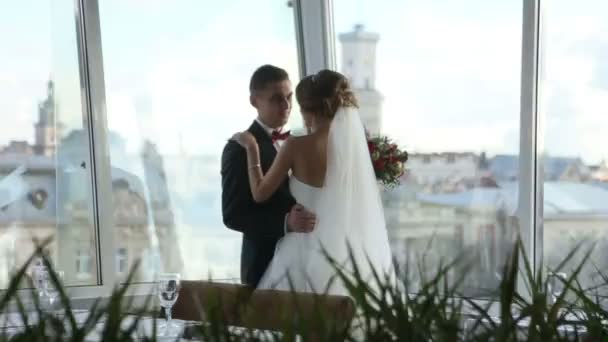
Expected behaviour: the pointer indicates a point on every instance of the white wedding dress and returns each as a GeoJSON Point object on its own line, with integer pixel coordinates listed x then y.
{"type": "Point", "coordinates": [349, 213]}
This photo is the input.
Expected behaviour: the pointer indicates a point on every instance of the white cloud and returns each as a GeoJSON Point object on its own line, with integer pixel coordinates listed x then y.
{"type": "Point", "coordinates": [591, 123]}
{"type": "Point", "coordinates": [574, 100]}
{"type": "Point", "coordinates": [450, 80]}
{"type": "Point", "coordinates": [125, 123]}
{"type": "Point", "coordinates": [451, 73]}
{"type": "Point", "coordinates": [200, 93]}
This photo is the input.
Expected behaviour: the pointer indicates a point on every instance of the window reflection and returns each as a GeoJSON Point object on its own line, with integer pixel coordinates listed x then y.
{"type": "Point", "coordinates": [177, 89]}
{"type": "Point", "coordinates": [442, 79]}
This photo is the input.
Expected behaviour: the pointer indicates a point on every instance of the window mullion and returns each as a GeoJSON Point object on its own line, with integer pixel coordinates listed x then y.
{"type": "Point", "coordinates": [530, 184]}
{"type": "Point", "coordinates": [317, 39]}
{"type": "Point", "coordinates": [94, 109]}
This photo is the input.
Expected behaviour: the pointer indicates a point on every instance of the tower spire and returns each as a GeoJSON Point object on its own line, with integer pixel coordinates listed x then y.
{"type": "Point", "coordinates": [47, 129]}
{"type": "Point", "coordinates": [359, 65]}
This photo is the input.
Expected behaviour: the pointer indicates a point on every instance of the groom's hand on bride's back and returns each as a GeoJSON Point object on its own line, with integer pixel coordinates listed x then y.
{"type": "Point", "coordinates": [300, 220]}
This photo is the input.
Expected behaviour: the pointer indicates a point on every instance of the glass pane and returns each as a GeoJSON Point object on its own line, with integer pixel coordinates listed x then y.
{"type": "Point", "coordinates": [177, 87]}
{"type": "Point", "coordinates": [442, 79]}
{"type": "Point", "coordinates": [45, 179]}
{"type": "Point", "coordinates": [574, 97]}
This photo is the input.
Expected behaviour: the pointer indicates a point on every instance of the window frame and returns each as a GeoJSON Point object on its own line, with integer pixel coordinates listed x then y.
{"type": "Point", "coordinates": [530, 183]}
{"type": "Point", "coordinates": [315, 39]}
{"type": "Point", "coordinates": [94, 108]}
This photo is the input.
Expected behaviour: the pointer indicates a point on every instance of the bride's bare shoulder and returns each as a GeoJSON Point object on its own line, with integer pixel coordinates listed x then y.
{"type": "Point", "coordinates": [298, 140]}
{"type": "Point", "coordinates": [302, 142]}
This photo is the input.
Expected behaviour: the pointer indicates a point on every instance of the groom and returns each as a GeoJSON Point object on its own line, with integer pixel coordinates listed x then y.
{"type": "Point", "coordinates": [262, 224]}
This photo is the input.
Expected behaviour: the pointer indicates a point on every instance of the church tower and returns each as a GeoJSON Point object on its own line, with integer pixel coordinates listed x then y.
{"type": "Point", "coordinates": [359, 65]}
{"type": "Point", "coordinates": [48, 130]}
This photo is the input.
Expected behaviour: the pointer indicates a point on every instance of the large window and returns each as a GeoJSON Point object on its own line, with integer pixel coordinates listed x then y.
{"type": "Point", "coordinates": [177, 89]}
{"type": "Point", "coordinates": [442, 78]}
{"type": "Point", "coordinates": [574, 97]}
{"type": "Point", "coordinates": [45, 168]}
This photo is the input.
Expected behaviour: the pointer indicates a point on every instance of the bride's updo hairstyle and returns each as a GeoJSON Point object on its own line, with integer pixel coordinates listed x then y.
{"type": "Point", "coordinates": [324, 93]}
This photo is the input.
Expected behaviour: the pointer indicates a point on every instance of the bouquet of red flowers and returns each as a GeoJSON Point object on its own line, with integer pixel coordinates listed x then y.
{"type": "Point", "coordinates": [388, 160]}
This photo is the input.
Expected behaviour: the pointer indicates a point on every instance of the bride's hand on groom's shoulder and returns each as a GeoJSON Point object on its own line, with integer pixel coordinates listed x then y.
{"type": "Point", "coordinates": [245, 139]}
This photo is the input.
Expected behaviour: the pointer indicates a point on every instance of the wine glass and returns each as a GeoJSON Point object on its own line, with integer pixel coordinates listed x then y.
{"type": "Point", "coordinates": [38, 270]}
{"type": "Point", "coordinates": [52, 289]}
{"type": "Point", "coordinates": [168, 285]}
{"type": "Point", "coordinates": [45, 287]}
{"type": "Point", "coordinates": [557, 286]}
{"type": "Point", "coordinates": [48, 291]}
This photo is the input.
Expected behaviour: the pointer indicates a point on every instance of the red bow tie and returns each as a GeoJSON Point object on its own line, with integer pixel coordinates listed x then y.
{"type": "Point", "coordinates": [276, 135]}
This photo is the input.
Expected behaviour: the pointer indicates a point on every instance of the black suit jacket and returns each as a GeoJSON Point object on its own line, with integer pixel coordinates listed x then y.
{"type": "Point", "coordinates": [262, 224]}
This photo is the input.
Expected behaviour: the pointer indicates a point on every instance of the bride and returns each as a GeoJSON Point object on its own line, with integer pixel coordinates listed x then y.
{"type": "Point", "coordinates": [332, 176]}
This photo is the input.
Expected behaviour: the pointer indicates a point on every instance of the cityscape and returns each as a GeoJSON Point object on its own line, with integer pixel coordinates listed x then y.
{"type": "Point", "coordinates": [167, 208]}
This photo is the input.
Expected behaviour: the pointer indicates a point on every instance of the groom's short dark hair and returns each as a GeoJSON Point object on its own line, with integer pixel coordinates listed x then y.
{"type": "Point", "coordinates": [266, 74]}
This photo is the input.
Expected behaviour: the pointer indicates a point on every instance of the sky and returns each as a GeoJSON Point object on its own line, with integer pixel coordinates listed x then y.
{"type": "Point", "coordinates": [177, 72]}
{"type": "Point", "coordinates": [450, 73]}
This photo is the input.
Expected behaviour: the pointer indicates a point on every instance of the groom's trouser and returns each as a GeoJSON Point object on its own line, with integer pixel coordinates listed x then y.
{"type": "Point", "coordinates": [256, 254]}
